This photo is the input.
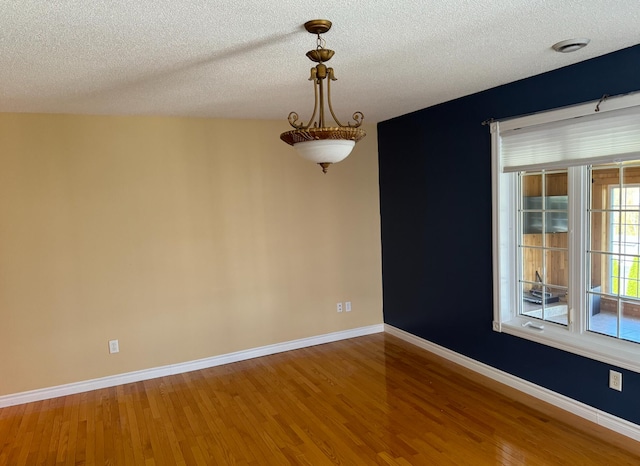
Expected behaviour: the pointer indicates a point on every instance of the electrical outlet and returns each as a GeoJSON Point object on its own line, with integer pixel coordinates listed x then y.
{"type": "Point", "coordinates": [347, 306]}
{"type": "Point", "coordinates": [114, 347]}
{"type": "Point", "coordinates": [339, 307]}
{"type": "Point", "coordinates": [615, 380]}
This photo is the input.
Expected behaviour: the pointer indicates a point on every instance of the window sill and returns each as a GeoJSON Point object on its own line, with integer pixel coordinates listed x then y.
{"type": "Point", "coordinates": [619, 353]}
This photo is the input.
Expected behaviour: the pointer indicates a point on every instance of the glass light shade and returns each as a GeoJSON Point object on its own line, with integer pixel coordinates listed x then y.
{"type": "Point", "coordinates": [325, 150]}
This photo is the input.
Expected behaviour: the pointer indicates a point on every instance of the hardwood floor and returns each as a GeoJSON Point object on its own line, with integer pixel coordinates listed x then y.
{"type": "Point", "coordinates": [369, 400]}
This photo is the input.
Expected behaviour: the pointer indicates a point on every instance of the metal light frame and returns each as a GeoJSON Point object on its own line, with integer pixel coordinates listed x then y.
{"type": "Point", "coordinates": [316, 141]}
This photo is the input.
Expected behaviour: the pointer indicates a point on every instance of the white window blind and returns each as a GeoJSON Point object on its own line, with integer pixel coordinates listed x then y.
{"type": "Point", "coordinates": [572, 136]}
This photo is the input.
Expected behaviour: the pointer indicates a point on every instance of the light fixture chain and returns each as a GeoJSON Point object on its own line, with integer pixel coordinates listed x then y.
{"type": "Point", "coordinates": [320, 43]}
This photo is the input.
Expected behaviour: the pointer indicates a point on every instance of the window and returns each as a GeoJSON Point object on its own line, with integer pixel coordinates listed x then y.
{"type": "Point", "coordinates": [542, 246]}
{"type": "Point", "coordinates": [566, 229]}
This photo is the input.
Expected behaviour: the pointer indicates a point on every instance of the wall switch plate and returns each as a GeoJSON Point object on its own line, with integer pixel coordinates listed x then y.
{"type": "Point", "coordinates": [114, 347]}
{"type": "Point", "coordinates": [347, 306]}
{"type": "Point", "coordinates": [339, 307]}
{"type": "Point", "coordinates": [615, 380]}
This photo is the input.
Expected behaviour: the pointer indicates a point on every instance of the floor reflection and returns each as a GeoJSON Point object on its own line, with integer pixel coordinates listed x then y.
{"type": "Point", "coordinates": [607, 323]}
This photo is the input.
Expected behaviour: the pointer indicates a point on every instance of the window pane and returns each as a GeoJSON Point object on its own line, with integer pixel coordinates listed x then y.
{"type": "Point", "coordinates": [605, 273]}
{"type": "Point", "coordinates": [555, 185]}
{"type": "Point", "coordinates": [555, 308]}
{"type": "Point", "coordinates": [556, 221]}
{"type": "Point", "coordinates": [630, 322]}
{"type": "Point", "coordinates": [531, 221]}
{"type": "Point", "coordinates": [624, 226]}
{"type": "Point", "coordinates": [532, 266]}
{"type": "Point", "coordinates": [546, 303]}
{"type": "Point", "coordinates": [532, 185]}
{"type": "Point", "coordinates": [627, 275]}
{"type": "Point", "coordinates": [601, 230]}
{"type": "Point", "coordinates": [604, 315]}
{"type": "Point", "coordinates": [556, 200]}
{"type": "Point", "coordinates": [615, 198]}
{"type": "Point", "coordinates": [631, 185]}
{"type": "Point", "coordinates": [556, 267]}
{"type": "Point", "coordinates": [629, 198]}
{"type": "Point", "coordinates": [601, 182]}
{"type": "Point", "coordinates": [532, 204]}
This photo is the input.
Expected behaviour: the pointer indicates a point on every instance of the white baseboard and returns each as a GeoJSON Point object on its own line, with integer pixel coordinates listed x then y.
{"type": "Point", "coordinates": [622, 426]}
{"type": "Point", "coordinates": [137, 376]}
{"type": "Point", "coordinates": [602, 418]}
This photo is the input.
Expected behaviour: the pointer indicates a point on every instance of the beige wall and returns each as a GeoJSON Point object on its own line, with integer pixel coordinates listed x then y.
{"type": "Point", "coordinates": [182, 238]}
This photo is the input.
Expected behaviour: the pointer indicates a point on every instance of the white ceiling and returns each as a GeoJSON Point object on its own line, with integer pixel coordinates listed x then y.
{"type": "Point", "coordinates": [246, 58]}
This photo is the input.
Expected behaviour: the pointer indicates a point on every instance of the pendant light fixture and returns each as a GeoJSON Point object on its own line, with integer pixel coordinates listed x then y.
{"type": "Point", "coordinates": [315, 141]}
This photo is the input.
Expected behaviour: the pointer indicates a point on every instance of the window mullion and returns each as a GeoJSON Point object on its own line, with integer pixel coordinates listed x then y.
{"type": "Point", "coordinates": [578, 240]}
{"type": "Point", "coordinates": [621, 265]}
{"type": "Point", "coordinates": [545, 274]}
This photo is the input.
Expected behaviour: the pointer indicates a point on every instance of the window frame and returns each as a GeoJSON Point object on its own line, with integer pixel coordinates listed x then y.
{"type": "Point", "coordinates": [575, 337]}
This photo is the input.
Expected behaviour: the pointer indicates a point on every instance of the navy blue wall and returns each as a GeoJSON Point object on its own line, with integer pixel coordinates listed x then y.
{"type": "Point", "coordinates": [435, 195]}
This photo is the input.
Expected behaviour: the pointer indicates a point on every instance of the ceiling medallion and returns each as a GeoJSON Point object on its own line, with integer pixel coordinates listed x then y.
{"type": "Point", "coordinates": [570, 45]}
{"type": "Point", "coordinates": [315, 141]}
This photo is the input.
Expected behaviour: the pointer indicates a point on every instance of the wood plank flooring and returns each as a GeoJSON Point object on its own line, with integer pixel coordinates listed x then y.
{"type": "Point", "coordinates": [368, 400]}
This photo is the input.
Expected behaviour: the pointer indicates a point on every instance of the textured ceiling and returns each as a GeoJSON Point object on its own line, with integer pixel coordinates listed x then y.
{"type": "Point", "coordinates": [246, 59]}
